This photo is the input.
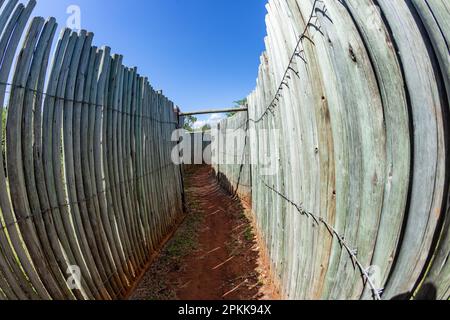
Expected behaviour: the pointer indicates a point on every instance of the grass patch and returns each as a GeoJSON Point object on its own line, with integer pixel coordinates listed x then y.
{"type": "Point", "coordinates": [248, 234]}
{"type": "Point", "coordinates": [186, 239]}
{"type": "Point", "coordinates": [244, 218]}
{"type": "Point", "coordinates": [159, 287]}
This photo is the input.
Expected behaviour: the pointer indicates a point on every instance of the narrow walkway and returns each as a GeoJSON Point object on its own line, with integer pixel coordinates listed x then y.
{"type": "Point", "coordinates": [214, 254]}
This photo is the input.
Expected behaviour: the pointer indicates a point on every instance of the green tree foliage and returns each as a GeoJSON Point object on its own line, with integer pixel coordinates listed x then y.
{"type": "Point", "coordinates": [237, 104]}
{"type": "Point", "coordinates": [206, 128]}
{"type": "Point", "coordinates": [189, 122]}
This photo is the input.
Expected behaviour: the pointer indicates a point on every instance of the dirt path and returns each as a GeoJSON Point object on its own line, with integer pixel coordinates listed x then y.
{"type": "Point", "coordinates": [213, 256]}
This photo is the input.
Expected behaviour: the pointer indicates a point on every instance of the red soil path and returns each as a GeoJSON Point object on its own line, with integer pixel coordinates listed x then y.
{"type": "Point", "coordinates": [214, 255]}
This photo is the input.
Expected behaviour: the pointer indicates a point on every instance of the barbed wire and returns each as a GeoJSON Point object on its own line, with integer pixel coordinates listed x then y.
{"type": "Point", "coordinates": [269, 110]}
{"type": "Point", "coordinates": [124, 289]}
{"type": "Point", "coordinates": [80, 102]}
{"type": "Point", "coordinates": [5, 227]}
{"type": "Point", "coordinates": [297, 53]}
{"type": "Point", "coordinates": [91, 198]}
{"type": "Point", "coordinates": [377, 292]}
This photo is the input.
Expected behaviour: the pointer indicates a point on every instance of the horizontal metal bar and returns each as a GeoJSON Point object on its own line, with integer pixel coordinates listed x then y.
{"type": "Point", "coordinates": [183, 114]}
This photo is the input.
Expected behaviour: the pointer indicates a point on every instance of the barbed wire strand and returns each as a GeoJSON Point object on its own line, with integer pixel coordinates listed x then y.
{"type": "Point", "coordinates": [7, 226]}
{"type": "Point", "coordinates": [90, 104]}
{"type": "Point", "coordinates": [377, 292]}
{"type": "Point", "coordinates": [286, 76]}
{"type": "Point", "coordinates": [91, 198]}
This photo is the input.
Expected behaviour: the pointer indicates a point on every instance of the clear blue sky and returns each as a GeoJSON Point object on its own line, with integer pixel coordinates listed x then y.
{"type": "Point", "coordinates": [202, 53]}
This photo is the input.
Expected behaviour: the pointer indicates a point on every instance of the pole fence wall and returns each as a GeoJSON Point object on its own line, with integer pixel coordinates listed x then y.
{"type": "Point", "coordinates": [355, 95]}
{"type": "Point", "coordinates": [230, 146]}
{"type": "Point", "coordinates": [88, 189]}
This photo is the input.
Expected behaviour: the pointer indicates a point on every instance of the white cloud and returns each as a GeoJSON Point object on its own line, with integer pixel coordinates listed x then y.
{"type": "Point", "coordinates": [213, 120]}
{"type": "Point", "coordinates": [217, 117]}
{"type": "Point", "coordinates": [199, 124]}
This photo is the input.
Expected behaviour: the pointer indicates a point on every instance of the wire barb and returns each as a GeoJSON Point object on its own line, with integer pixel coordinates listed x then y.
{"type": "Point", "coordinates": [79, 103]}
{"type": "Point", "coordinates": [5, 227]}
{"type": "Point", "coordinates": [296, 53]}
{"type": "Point", "coordinates": [353, 253]}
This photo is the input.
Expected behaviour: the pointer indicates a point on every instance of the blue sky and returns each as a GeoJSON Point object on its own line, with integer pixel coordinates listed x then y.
{"type": "Point", "coordinates": [201, 53]}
